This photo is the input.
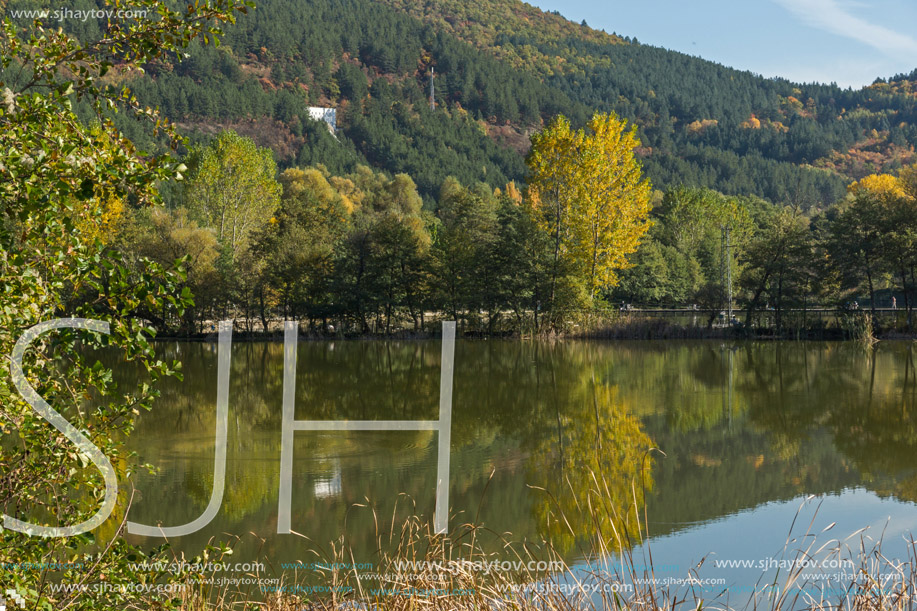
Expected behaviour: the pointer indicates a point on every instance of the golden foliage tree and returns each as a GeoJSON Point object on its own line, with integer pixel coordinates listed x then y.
{"type": "Point", "coordinates": [882, 186]}
{"type": "Point", "coordinates": [592, 199]}
{"type": "Point", "coordinates": [232, 188]}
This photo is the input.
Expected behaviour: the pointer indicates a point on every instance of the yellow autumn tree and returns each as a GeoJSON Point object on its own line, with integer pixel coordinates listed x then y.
{"type": "Point", "coordinates": [883, 186]}
{"type": "Point", "coordinates": [752, 122]}
{"type": "Point", "coordinates": [615, 203]}
{"type": "Point", "coordinates": [232, 188]}
{"type": "Point", "coordinates": [311, 182]}
{"type": "Point", "coordinates": [98, 217]}
{"type": "Point", "coordinates": [592, 199]}
{"type": "Point", "coordinates": [512, 192]}
{"type": "Point", "coordinates": [551, 192]}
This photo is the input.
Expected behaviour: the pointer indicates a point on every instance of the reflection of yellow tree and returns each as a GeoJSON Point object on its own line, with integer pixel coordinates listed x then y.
{"type": "Point", "coordinates": [592, 470]}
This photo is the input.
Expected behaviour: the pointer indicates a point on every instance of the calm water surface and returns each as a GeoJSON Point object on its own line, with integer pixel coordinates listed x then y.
{"type": "Point", "coordinates": [749, 430]}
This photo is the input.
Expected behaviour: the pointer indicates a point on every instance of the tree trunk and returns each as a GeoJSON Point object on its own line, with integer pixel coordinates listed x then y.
{"type": "Point", "coordinates": [261, 307]}
{"type": "Point", "coordinates": [872, 293]}
{"type": "Point", "coordinates": [755, 300]}
{"type": "Point", "coordinates": [778, 314]}
{"type": "Point", "coordinates": [556, 255]}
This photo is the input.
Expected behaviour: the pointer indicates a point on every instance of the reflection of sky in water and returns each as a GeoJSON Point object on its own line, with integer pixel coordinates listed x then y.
{"type": "Point", "coordinates": [328, 487]}
{"type": "Point", "coordinates": [743, 551]}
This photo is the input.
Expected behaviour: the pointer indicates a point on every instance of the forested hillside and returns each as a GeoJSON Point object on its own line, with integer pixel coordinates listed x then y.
{"type": "Point", "coordinates": [503, 68]}
{"type": "Point", "coordinates": [701, 123]}
{"type": "Point", "coordinates": [408, 210]}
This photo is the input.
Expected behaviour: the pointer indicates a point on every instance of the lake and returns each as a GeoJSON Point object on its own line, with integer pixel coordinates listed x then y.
{"type": "Point", "coordinates": [748, 431]}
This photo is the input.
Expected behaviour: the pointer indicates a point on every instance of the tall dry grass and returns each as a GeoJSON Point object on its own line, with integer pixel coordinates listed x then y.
{"type": "Point", "coordinates": [619, 555]}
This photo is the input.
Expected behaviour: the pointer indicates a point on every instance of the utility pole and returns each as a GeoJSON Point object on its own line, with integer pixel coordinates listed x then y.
{"type": "Point", "coordinates": [432, 101]}
{"type": "Point", "coordinates": [727, 272]}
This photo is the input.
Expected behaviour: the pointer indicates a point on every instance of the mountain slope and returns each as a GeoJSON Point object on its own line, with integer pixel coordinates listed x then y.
{"type": "Point", "coordinates": [504, 68]}
{"type": "Point", "coordinates": [691, 110]}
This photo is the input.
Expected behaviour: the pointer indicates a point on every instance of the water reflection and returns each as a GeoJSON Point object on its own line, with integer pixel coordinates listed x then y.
{"type": "Point", "coordinates": [541, 432]}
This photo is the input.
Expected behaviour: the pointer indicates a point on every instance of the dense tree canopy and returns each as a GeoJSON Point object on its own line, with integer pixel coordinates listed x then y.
{"type": "Point", "coordinates": [426, 205]}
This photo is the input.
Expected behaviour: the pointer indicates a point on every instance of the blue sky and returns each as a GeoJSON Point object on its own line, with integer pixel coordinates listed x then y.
{"type": "Point", "coordinates": [849, 42]}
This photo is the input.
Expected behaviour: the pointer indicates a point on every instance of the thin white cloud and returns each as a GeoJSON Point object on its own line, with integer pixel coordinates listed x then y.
{"type": "Point", "coordinates": [831, 16]}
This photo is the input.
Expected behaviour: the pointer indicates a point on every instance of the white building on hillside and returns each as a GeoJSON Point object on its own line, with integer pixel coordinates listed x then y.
{"type": "Point", "coordinates": [328, 115]}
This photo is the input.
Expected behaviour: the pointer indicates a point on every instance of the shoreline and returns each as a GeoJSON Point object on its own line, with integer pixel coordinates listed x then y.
{"type": "Point", "coordinates": [809, 324]}
{"type": "Point", "coordinates": [691, 334]}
